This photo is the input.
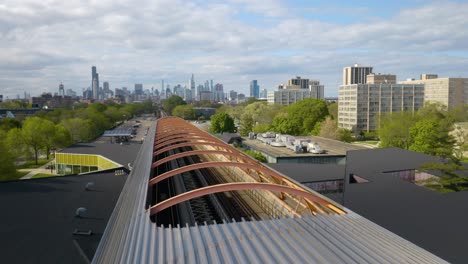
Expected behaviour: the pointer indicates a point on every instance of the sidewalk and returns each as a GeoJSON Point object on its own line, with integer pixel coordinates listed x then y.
{"type": "Point", "coordinates": [33, 172]}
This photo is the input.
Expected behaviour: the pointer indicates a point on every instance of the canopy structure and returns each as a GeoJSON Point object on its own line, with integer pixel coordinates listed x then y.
{"type": "Point", "coordinates": [297, 225]}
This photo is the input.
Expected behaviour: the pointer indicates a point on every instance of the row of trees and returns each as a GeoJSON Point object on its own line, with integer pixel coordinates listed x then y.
{"type": "Point", "coordinates": [59, 128]}
{"type": "Point", "coordinates": [427, 131]}
{"type": "Point", "coordinates": [306, 117]}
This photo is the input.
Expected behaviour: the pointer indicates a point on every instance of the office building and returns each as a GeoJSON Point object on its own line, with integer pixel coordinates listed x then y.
{"type": "Point", "coordinates": [298, 83]}
{"type": "Point", "coordinates": [138, 89]}
{"type": "Point", "coordinates": [381, 78]}
{"type": "Point", "coordinates": [192, 87]}
{"type": "Point", "coordinates": [361, 105]}
{"type": "Point", "coordinates": [95, 83]}
{"type": "Point", "coordinates": [356, 74]}
{"type": "Point", "coordinates": [218, 93]}
{"type": "Point", "coordinates": [451, 92]}
{"type": "Point", "coordinates": [61, 90]}
{"type": "Point", "coordinates": [1, 98]}
{"type": "Point", "coordinates": [254, 89]}
{"type": "Point", "coordinates": [232, 95]}
{"type": "Point", "coordinates": [297, 89]}
{"type": "Point", "coordinates": [263, 93]}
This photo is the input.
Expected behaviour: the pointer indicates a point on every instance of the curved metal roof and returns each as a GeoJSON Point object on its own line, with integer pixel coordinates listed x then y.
{"type": "Point", "coordinates": [331, 236]}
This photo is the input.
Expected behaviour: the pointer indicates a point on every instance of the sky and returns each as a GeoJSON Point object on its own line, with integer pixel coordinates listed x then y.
{"type": "Point", "coordinates": [44, 43]}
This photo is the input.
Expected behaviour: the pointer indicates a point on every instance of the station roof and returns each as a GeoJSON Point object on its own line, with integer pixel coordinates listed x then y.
{"type": "Point", "coordinates": [131, 237]}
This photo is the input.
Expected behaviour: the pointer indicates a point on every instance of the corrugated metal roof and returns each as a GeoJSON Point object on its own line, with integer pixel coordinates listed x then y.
{"type": "Point", "coordinates": [131, 237]}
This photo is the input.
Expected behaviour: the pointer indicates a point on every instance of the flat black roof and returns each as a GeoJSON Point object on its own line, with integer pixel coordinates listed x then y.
{"type": "Point", "coordinates": [38, 217]}
{"type": "Point", "coordinates": [303, 172]}
{"type": "Point", "coordinates": [432, 220]}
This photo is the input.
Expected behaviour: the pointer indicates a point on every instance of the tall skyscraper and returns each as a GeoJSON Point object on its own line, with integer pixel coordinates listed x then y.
{"type": "Point", "coordinates": [138, 89]}
{"type": "Point", "coordinates": [61, 90]}
{"type": "Point", "coordinates": [356, 74]}
{"type": "Point", "coordinates": [95, 83]}
{"type": "Point", "coordinates": [192, 86]}
{"type": "Point", "coordinates": [254, 89]}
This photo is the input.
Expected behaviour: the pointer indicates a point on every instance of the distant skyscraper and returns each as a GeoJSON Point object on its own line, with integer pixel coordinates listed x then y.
{"type": "Point", "coordinates": [138, 89]}
{"type": "Point", "coordinates": [264, 93]}
{"type": "Point", "coordinates": [105, 86]}
{"type": "Point", "coordinates": [192, 86]}
{"type": "Point", "coordinates": [218, 93]}
{"type": "Point", "coordinates": [1, 98]}
{"type": "Point", "coordinates": [61, 90]}
{"type": "Point", "coordinates": [232, 95]}
{"type": "Point", "coordinates": [356, 74]}
{"type": "Point", "coordinates": [254, 89]}
{"type": "Point", "coordinates": [95, 83]}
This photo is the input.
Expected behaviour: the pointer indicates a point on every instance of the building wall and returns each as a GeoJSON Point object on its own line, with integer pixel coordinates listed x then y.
{"type": "Point", "coordinates": [361, 105]}
{"type": "Point", "coordinates": [356, 74]}
{"type": "Point", "coordinates": [381, 78]}
{"type": "Point", "coordinates": [451, 92]}
{"type": "Point", "coordinates": [290, 96]}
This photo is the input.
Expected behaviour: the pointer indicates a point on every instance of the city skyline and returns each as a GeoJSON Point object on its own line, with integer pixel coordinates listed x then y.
{"type": "Point", "coordinates": [45, 44]}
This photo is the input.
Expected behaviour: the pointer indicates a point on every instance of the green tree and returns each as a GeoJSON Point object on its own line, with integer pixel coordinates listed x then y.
{"type": "Point", "coordinates": [246, 124]}
{"type": "Point", "coordinates": [184, 111]}
{"type": "Point", "coordinates": [80, 129]}
{"type": "Point", "coordinates": [261, 128]}
{"type": "Point", "coordinates": [170, 103]}
{"type": "Point", "coordinates": [345, 135]}
{"type": "Point", "coordinates": [329, 129]}
{"type": "Point", "coordinates": [395, 130]}
{"type": "Point", "coordinates": [32, 135]}
{"type": "Point", "coordinates": [7, 166]}
{"type": "Point", "coordinates": [222, 122]}
{"type": "Point", "coordinates": [300, 118]}
{"type": "Point", "coordinates": [430, 136]}
{"type": "Point", "coordinates": [333, 110]}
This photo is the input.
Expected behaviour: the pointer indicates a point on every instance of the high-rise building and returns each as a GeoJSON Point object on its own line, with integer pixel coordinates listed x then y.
{"type": "Point", "coordinates": [356, 74]}
{"type": "Point", "coordinates": [451, 92]}
{"type": "Point", "coordinates": [105, 86]}
{"type": "Point", "coordinates": [192, 86]}
{"type": "Point", "coordinates": [61, 90]}
{"type": "Point", "coordinates": [138, 89]}
{"type": "Point", "coordinates": [263, 93]}
{"type": "Point", "coordinates": [297, 89]}
{"type": "Point", "coordinates": [254, 89]}
{"type": "Point", "coordinates": [95, 83]}
{"type": "Point", "coordinates": [381, 78]}
{"type": "Point", "coordinates": [232, 95]}
{"type": "Point", "coordinates": [360, 106]}
{"type": "Point", "coordinates": [299, 82]}
{"type": "Point", "coordinates": [1, 98]}
{"type": "Point", "coordinates": [218, 93]}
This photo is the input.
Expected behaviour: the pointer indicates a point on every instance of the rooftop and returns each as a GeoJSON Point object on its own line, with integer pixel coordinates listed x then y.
{"type": "Point", "coordinates": [332, 147]}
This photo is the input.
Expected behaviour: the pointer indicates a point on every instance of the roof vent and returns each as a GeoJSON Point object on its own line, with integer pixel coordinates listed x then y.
{"type": "Point", "coordinates": [89, 186]}
{"type": "Point", "coordinates": [81, 212]}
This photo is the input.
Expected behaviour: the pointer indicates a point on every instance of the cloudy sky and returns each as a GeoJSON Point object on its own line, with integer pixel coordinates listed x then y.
{"type": "Point", "coordinates": [43, 43]}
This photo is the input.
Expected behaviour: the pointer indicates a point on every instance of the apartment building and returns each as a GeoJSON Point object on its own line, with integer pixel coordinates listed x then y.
{"type": "Point", "coordinates": [360, 106]}
{"type": "Point", "coordinates": [451, 92]}
{"type": "Point", "coordinates": [296, 90]}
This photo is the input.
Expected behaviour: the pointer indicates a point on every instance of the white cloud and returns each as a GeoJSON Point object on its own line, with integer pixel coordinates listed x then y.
{"type": "Point", "coordinates": [44, 42]}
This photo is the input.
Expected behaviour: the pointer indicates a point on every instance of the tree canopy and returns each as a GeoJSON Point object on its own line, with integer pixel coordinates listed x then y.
{"type": "Point", "coordinates": [170, 103]}
{"type": "Point", "coordinates": [222, 122]}
{"type": "Point", "coordinates": [300, 118]}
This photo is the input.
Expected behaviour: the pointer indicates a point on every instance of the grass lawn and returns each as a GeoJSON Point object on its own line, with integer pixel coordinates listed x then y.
{"type": "Point", "coordinates": [13, 177]}
{"type": "Point", "coordinates": [31, 164]}
{"type": "Point", "coordinates": [43, 175]}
